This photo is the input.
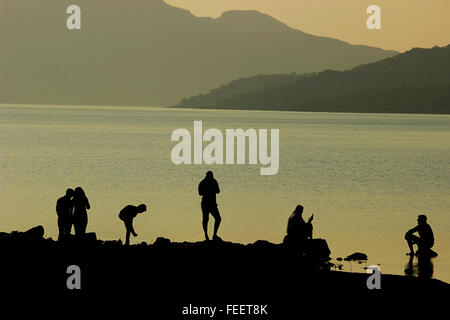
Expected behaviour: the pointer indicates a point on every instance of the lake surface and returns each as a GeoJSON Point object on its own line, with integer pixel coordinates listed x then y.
{"type": "Point", "coordinates": [365, 177]}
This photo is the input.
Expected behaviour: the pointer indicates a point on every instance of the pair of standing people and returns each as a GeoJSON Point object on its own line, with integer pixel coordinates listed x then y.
{"type": "Point", "coordinates": [72, 210]}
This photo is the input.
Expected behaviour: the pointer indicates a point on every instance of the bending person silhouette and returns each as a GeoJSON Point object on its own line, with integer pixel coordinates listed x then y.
{"type": "Point", "coordinates": [127, 215]}
{"type": "Point", "coordinates": [424, 241]}
{"type": "Point", "coordinates": [64, 210]}
{"type": "Point", "coordinates": [297, 229]}
{"type": "Point", "coordinates": [208, 188]}
{"type": "Point", "coordinates": [80, 205]}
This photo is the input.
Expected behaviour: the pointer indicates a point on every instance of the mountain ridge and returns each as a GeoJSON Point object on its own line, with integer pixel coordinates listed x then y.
{"type": "Point", "coordinates": [148, 52]}
{"type": "Point", "coordinates": [416, 81]}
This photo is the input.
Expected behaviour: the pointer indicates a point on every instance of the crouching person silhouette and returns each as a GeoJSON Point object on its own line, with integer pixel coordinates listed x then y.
{"type": "Point", "coordinates": [127, 215]}
{"type": "Point", "coordinates": [208, 188]}
{"type": "Point", "coordinates": [424, 241]}
{"type": "Point", "coordinates": [298, 231]}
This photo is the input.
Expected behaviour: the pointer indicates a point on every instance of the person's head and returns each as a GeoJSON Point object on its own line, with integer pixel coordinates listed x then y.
{"type": "Point", "coordinates": [422, 219]}
{"type": "Point", "coordinates": [142, 208]}
{"type": "Point", "coordinates": [299, 209]}
{"type": "Point", "coordinates": [79, 192]}
{"type": "Point", "coordinates": [69, 193]}
{"type": "Point", "coordinates": [209, 175]}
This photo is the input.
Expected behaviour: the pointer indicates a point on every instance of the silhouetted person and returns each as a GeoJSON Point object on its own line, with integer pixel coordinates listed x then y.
{"type": "Point", "coordinates": [208, 188]}
{"type": "Point", "coordinates": [298, 230]}
{"type": "Point", "coordinates": [127, 215]}
{"type": "Point", "coordinates": [80, 205]}
{"type": "Point", "coordinates": [424, 241]}
{"type": "Point", "coordinates": [64, 210]}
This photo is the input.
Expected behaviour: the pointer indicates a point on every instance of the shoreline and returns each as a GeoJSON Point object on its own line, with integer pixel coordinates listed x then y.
{"type": "Point", "coordinates": [175, 107]}
{"type": "Point", "coordinates": [168, 271]}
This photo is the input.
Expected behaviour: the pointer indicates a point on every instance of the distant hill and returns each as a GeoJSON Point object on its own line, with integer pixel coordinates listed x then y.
{"type": "Point", "coordinates": [146, 52]}
{"type": "Point", "coordinates": [417, 81]}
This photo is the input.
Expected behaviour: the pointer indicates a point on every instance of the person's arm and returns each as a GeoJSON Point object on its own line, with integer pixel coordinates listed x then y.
{"type": "Point", "coordinates": [217, 187]}
{"type": "Point", "coordinates": [132, 228]}
{"type": "Point", "coordinates": [58, 207]}
{"type": "Point", "coordinates": [88, 206]}
{"type": "Point", "coordinates": [411, 231]}
{"type": "Point", "coordinates": [200, 189]}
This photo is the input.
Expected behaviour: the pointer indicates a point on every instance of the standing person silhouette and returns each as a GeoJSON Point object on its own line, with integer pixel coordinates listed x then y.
{"type": "Point", "coordinates": [424, 241]}
{"type": "Point", "coordinates": [208, 188]}
{"type": "Point", "coordinates": [64, 210]}
{"type": "Point", "coordinates": [80, 205]}
{"type": "Point", "coordinates": [127, 215]}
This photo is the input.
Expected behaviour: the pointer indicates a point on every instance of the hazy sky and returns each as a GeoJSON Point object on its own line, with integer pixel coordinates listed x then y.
{"type": "Point", "coordinates": [405, 23]}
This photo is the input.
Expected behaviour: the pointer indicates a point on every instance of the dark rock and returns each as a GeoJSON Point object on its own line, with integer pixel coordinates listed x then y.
{"type": "Point", "coordinates": [318, 248]}
{"type": "Point", "coordinates": [263, 244]}
{"type": "Point", "coordinates": [36, 233]}
{"type": "Point", "coordinates": [90, 236]}
{"type": "Point", "coordinates": [356, 256]}
{"type": "Point", "coordinates": [339, 259]}
{"type": "Point", "coordinates": [161, 242]}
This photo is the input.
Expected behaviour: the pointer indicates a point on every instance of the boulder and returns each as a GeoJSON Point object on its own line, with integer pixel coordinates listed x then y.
{"type": "Point", "coordinates": [161, 242]}
{"type": "Point", "coordinates": [317, 248]}
{"type": "Point", "coordinates": [36, 233]}
{"type": "Point", "coordinates": [90, 236]}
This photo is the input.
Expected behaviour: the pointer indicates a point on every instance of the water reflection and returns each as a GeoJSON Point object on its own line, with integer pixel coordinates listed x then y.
{"type": "Point", "coordinates": [421, 267]}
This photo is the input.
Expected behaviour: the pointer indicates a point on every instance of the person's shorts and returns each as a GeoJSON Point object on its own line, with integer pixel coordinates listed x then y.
{"type": "Point", "coordinates": [208, 208]}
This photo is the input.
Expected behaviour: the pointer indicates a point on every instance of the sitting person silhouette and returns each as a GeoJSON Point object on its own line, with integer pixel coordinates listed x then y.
{"type": "Point", "coordinates": [298, 230]}
{"type": "Point", "coordinates": [208, 188]}
{"type": "Point", "coordinates": [64, 210]}
{"type": "Point", "coordinates": [424, 241]}
{"type": "Point", "coordinates": [127, 215]}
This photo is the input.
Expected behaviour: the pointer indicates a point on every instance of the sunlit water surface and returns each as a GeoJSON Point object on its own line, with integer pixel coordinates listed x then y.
{"type": "Point", "coordinates": [365, 177]}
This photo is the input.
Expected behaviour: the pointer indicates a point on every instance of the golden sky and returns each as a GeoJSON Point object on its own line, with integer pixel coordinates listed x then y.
{"type": "Point", "coordinates": [405, 23]}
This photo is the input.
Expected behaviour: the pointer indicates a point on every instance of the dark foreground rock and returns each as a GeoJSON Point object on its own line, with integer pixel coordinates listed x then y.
{"type": "Point", "coordinates": [199, 271]}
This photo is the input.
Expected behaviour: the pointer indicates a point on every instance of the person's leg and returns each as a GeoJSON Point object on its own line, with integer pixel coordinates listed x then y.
{"type": "Point", "coordinates": [69, 226]}
{"type": "Point", "coordinates": [217, 219]}
{"type": "Point", "coordinates": [66, 227]}
{"type": "Point", "coordinates": [411, 239]}
{"type": "Point", "coordinates": [60, 229]}
{"type": "Point", "coordinates": [424, 248]}
{"type": "Point", "coordinates": [127, 238]}
{"type": "Point", "coordinates": [83, 225]}
{"type": "Point", "coordinates": [76, 226]}
{"type": "Point", "coordinates": [205, 219]}
{"type": "Point", "coordinates": [130, 230]}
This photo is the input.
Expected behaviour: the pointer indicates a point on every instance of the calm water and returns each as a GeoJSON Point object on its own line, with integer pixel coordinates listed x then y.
{"type": "Point", "coordinates": [365, 177]}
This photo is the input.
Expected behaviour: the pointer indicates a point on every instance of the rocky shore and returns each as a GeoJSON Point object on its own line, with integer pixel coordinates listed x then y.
{"type": "Point", "coordinates": [208, 271]}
